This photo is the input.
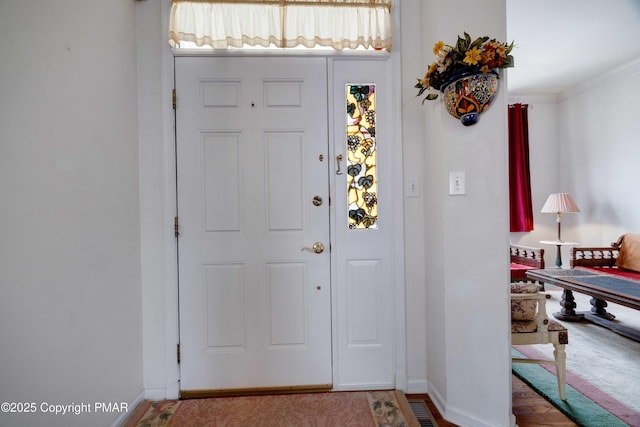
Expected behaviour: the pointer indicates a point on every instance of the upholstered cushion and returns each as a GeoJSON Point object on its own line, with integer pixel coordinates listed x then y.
{"type": "Point", "coordinates": [629, 255]}
{"type": "Point", "coordinates": [519, 271]}
{"type": "Point", "coordinates": [555, 326]}
{"type": "Point", "coordinates": [523, 309]}
{"type": "Point", "coordinates": [522, 326]}
{"type": "Point", "coordinates": [524, 288]}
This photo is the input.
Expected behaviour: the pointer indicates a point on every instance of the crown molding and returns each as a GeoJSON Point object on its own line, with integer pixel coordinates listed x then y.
{"type": "Point", "coordinates": [603, 79]}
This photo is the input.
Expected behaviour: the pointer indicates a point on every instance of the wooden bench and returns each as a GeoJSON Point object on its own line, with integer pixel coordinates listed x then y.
{"type": "Point", "coordinates": [524, 258]}
{"type": "Point", "coordinates": [602, 259]}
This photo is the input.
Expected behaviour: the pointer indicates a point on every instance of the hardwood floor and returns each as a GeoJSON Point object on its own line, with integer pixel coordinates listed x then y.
{"type": "Point", "coordinates": [441, 422]}
{"type": "Point", "coordinates": [530, 409]}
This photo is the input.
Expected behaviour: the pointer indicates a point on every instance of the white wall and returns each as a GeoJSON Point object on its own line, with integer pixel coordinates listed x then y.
{"type": "Point", "coordinates": [414, 207]}
{"type": "Point", "coordinates": [600, 153]}
{"type": "Point", "coordinates": [466, 237]}
{"type": "Point", "coordinates": [157, 197]}
{"type": "Point", "coordinates": [70, 304]}
{"type": "Point", "coordinates": [585, 142]}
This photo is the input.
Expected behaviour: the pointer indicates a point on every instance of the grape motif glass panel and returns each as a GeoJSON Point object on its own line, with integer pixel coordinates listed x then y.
{"type": "Point", "coordinates": [362, 180]}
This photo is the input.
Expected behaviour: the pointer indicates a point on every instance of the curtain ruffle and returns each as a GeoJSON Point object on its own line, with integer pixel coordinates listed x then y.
{"type": "Point", "coordinates": [234, 24]}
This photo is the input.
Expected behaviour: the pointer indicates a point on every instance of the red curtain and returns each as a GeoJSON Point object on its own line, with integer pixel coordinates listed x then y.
{"type": "Point", "coordinates": [520, 207]}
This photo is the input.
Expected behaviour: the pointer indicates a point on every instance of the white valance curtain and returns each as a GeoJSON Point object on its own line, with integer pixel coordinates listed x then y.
{"type": "Point", "coordinates": [284, 23]}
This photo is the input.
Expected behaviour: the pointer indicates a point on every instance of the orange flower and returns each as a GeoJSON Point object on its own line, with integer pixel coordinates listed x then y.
{"type": "Point", "coordinates": [488, 54]}
{"type": "Point", "coordinates": [438, 47]}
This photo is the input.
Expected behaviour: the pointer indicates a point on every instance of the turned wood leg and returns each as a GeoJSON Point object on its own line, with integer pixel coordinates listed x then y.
{"type": "Point", "coordinates": [561, 361]}
{"type": "Point", "coordinates": [598, 308]}
{"type": "Point", "coordinates": [568, 304]}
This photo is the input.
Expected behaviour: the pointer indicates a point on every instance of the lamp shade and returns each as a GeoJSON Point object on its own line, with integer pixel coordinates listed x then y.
{"type": "Point", "coordinates": [560, 203]}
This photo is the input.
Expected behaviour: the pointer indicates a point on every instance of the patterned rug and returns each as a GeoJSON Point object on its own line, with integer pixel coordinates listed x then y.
{"type": "Point", "coordinates": [601, 365]}
{"type": "Point", "coordinates": [586, 404]}
{"type": "Point", "coordinates": [332, 409]}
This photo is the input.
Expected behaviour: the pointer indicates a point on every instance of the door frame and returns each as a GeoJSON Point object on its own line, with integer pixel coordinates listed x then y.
{"type": "Point", "coordinates": [164, 336]}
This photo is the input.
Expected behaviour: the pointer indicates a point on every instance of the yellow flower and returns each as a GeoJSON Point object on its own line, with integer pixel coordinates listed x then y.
{"type": "Point", "coordinates": [485, 69]}
{"type": "Point", "coordinates": [438, 47]}
{"type": "Point", "coordinates": [472, 56]}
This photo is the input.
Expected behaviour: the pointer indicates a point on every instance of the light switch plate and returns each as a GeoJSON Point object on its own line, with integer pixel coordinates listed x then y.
{"type": "Point", "coordinates": [413, 187]}
{"type": "Point", "coordinates": [457, 183]}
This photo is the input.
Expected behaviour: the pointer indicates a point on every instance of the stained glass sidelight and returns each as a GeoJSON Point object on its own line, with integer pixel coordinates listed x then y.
{"type": "Point", "coordinates": [362, 180]}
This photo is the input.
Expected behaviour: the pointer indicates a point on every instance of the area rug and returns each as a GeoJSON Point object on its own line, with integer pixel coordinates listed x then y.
{"type": "Point", "coordinates": [585, 404]}
{"type": "Point", "coordinates": [332, 409]}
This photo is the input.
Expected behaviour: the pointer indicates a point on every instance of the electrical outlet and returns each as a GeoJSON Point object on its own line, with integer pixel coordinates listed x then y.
{"type": "Point", "coordinates": [457, 183]}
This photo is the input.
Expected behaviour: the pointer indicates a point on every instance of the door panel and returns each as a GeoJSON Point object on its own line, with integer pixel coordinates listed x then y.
{"type": "Point", "coordinates": [365, 310]}
{"type": "Point", "coordinates": [254, 307]}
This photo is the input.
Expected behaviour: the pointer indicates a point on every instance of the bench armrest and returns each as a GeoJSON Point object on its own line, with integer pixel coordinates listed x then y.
{"type": "Point", "coordinates": [526, 255]}
{"type": "Point", "coordinates": [594, 257]}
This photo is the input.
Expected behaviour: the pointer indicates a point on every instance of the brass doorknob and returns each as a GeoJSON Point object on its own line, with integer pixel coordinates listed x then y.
{"type": "Point", "coordinates": [318, 247]}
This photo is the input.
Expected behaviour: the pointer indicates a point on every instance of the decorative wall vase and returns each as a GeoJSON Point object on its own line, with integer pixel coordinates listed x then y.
{"type": "Point", "coordinates": [468, 96]}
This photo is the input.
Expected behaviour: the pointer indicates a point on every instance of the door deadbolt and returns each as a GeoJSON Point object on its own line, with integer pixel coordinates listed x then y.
{"type": "Point", "coordinates": [317, 200]}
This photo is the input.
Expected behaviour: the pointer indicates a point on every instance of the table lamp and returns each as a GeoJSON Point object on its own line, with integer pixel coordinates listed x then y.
{"type": "Point", "coordinates": [558, 204]}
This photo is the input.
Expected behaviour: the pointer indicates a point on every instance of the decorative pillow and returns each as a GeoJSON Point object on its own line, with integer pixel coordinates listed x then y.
{"type": "Point", "coordinates": [523, 309]}
{"type": "Point", "coordinates": [629, 254]}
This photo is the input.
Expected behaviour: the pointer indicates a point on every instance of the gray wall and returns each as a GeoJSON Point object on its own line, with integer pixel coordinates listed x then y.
{"type": "Point", "coordinates": [70, 304]}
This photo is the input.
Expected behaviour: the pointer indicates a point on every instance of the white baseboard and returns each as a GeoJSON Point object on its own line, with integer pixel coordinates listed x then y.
{"type": "Point", "coordinates": [131, 407]}
{"type": "Point", "coordinates": [173, 390]}
{"type": "Point", "coordinates": [363, 387]}
{"type": "Point", "coordinates": [417, 387]}
{"type": "Point", "coordinates": [457, 415]}
{"type": "Point", "coordinates": [436, 398]}
{"type": "Point", "coordinates": [170, 392]}
{"type": "Point", "coordinates": [462, 418]}
{"type": "Point", "coordinates": [155, 393]}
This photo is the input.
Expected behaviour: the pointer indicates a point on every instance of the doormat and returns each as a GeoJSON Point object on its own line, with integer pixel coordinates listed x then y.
{"type": "Point", "coordinates": [329, 409]}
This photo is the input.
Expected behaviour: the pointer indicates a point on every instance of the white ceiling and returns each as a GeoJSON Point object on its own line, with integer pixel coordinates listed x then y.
{"type": "Point", "coordinates": [562, 43]}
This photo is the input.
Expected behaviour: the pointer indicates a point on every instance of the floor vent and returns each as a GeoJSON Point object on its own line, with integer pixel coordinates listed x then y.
{"type": "Point", "coordinates": [422, 413]}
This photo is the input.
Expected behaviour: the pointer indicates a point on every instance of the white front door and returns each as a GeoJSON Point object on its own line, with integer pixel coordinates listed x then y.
{"type": "Point", "coordinates": [252, 181]}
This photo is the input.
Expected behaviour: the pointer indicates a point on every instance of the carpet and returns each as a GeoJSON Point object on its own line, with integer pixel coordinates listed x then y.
{"type": "Point", "coordinates": [580, 405]}
{"type": "Point", "coordinates": [601, 364]}
{"type": "Point", "coordinates": [331, 409]}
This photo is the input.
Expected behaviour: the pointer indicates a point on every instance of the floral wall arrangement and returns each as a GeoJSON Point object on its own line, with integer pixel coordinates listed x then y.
{"type": "Point", "coordinates": [467, 75]}
{"type": "Point", "coordinates": [482, 55]}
